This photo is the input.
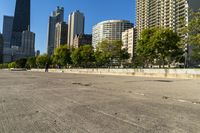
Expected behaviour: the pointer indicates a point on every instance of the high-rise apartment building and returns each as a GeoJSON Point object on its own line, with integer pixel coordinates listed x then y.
{"type": "Point", "coordinates": [61, 34]}
{"type": "Point", "coordinates": [109, 30]}
{"type": "Point", "coordinates": [56, 17]}
{"type": "Point", "coordinates": [1, 48]}
{"type": "Point", "coordinates": [172, 14]}
{"type": "Point", "coordinates": [21, 21]}
{"type": "Point", "coordinates": [27, 48]}
{"type": "Point", "coordinates": [76, 22]}
{"type": "Point", "coordinates": [129, 41]}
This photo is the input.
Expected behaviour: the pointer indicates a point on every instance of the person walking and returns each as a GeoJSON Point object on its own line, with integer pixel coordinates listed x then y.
{"type": "Point", "coordinates": [46, 67]}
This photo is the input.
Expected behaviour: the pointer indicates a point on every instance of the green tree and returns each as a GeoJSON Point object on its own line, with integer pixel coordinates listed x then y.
{"type": "Point", "coordinates": [160, 45]}
{"type": "Point", "coordinates": [83, 56]}
{"type": "Point", "coordinates": [166, 45]}
{"type": "Point", "coordinates": [61, 56]}
{"type": "Point", "coordinates": [76, 57]}
{"type": "Point", "coordinates": [12, 65]}
{"type": "Point", "coordinates": [87, 55]}
{"type": "Point", "coordinates": [145, 50]}
{"type": "Point", "coordinates": [42, 60]}
{"type": "Point", "coordinates": [31, 62]}
{"type": "Point", "coordinates": [108, 52]}
{"type": "Point", "coordinates": [194, 35]}
{"type": "Point", "coordinates": [21, 63]}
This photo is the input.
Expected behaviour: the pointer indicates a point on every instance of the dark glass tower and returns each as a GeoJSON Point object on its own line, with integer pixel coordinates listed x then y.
{"type": "Point", "coordinates": [21, 21]}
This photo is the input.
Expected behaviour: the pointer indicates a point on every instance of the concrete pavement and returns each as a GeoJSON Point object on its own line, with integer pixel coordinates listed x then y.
{"type": "Point", "coordinates": [32, 102]}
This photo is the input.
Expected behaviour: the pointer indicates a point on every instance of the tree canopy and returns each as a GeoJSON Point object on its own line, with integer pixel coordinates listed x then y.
{"type": "Point", "coordinates": [61, 56]}
{"type": "Point", "coordinates": [194, 35]}
{"type": "Point", "coordinates": [159, 46]}
{"type": "Point", "coordinates": [108, 52]}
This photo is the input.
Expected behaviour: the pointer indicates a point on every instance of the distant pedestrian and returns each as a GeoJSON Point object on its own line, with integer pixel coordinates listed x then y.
{"type": "Point", "coordinates": [46, 67]}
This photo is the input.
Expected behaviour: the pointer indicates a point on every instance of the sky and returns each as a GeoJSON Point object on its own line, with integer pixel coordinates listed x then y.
{"type": "Point", "coordinates": [95, 11]}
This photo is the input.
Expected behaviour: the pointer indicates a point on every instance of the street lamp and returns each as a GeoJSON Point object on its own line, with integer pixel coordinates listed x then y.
{"type": "Point", "coordinates": [186, 56]}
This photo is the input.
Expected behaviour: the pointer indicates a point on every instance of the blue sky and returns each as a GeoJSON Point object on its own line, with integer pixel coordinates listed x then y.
{"type": "Point", "coordinates": [95, 11]}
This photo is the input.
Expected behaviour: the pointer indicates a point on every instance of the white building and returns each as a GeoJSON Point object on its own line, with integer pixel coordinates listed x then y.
{"type": "Point", "coordinates": [109, 30]}
{"type": "Point", "coordinates": [76, 22]}
{"type": "Point", "coordinates": [172, 14]}
{"type": "Point", "coordinates": [129, 41]}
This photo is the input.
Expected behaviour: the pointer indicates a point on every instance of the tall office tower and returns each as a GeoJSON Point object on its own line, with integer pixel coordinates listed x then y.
{"type": "Point", "coordinates": [76, 22]}
{"type": "Point", "coordinates": [56, 17]}
{"type": "Point", "coordinates": [21, 21]}
{"type": "Point", "coordinates": [1, 48]}
{"type": "Point", "coordinates": [7, 33]}
{"type": "Point", "coordinates": [172, 14]}
{"type": "Point", "coordinates": [109, 30]}
{"type": "Point", "coordinates": [27, 48]}
{"type": "Point", "coordinates": [61, 34]}
{"type": "Point", "coordinates": [7, 30]}
{"type": "Point", "coordinates": [129, 38]}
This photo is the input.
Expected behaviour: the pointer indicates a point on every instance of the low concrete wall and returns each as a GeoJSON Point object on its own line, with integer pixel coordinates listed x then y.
{"type": "Point", "coordinates": [163, 73]}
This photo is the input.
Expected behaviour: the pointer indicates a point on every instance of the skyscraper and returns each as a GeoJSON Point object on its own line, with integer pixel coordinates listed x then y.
{"type": "Point", "coordinates": [7, 33]}
{"type": "Point", "coordinates": [61, 34]}
{"type": "Point", "coordinates": [7, 30]}
{"type": "Point", "coordinates": [1, 48]}
{"type": "Point", "coordinates": [76, 22]}
{"type": "Point", "coordinates": [28, 44]}
{"type": "Point", "coordinates": [21, 21]}
{"type": "Point", "coordinates": [172, 14]}
{"type": "Point", "coordinates": [56, 17]}
{"type": "Point", "coordinates": [109, 30]}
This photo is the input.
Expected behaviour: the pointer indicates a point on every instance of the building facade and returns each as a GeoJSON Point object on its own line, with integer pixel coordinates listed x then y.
{"type": "Point", "coordinates": [129, 38]}
{"type": "Point", "coordinates": [76, 22]}
{"type": "Point", "coordinates": [27, 48]}
{"type": "Point", "coordinates": [56, 17]}
{"type": "Point", "coordinates": [7, 33]}
{"type": "Point", "coordinates": [1, 48]}
{"type": "Point", "coordinates": [109, 30]}
{"type": "Point", "coordinates": [61, 34]}
{"type": "Point", "coordinates": [82, 39]}
{"type": "Point", "coordinates": [21, 21]}
{"type": "Point", "coordinates": [37, 53]}
{"type": "Point", "coordinates": [7, 30]}
{"type": "Point", "coordinates": [172, 14]}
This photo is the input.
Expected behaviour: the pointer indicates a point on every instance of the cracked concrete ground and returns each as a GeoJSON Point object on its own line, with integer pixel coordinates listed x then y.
{"type": "Point", "coordinates": [32, 102]}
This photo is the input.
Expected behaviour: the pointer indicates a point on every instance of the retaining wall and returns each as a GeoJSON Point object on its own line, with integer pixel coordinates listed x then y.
{"type": "Point", "coordinates": [164, 73]}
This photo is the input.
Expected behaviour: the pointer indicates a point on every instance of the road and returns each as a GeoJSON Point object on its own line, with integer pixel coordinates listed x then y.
{"type": "Point", "coordinates": [33, 102]}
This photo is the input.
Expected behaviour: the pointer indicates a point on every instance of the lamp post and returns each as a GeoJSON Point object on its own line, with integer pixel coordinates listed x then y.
{"type": "Point", "coordinates": [186, 56]}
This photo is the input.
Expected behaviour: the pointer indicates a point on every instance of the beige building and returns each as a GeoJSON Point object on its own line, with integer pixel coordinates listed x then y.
{"type": "Point", "coordinates": [129, 41]}
{"type": "Point", "coordinates": [109, 30]}
{"type": "Point", "coordinates": [164, 13]}
{"type": "Point", "coordinates": [76, 24]}
{"type": "Point", "coordinates": [60, 34]}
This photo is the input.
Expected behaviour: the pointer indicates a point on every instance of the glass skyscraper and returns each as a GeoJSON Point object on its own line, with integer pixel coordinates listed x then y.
{"type": "Point", "coordinates": [21, 21]}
